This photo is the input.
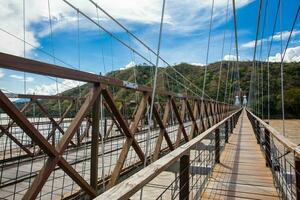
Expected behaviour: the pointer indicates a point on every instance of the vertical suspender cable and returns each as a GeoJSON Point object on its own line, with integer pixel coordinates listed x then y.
{"type": "Point", "coordinates": [260, 58]}
{"type": "Point", "coordinates": [268, 58]}
{"type": "Point", "coordinates": [53, 53]}
{"type": "Point", "coordinates": [208, 46]}
{"type": "Point", "coordinates": [281, 68]}
{"type": "Point", "coordinates": [78, 49]}
{"type": "Point", "coordinates": [58, 101]}
{"type": "Point", "coordinates": [255, 46]}
{"type": "Point", "coordinates": [228, 68]}
{"type": "Point", "coordinates": [102, 133]}
{"type": "Point", "coordinates": [24, 43]}
{"type": "Point", "coordinates": [236, 45]}
{"type": "Point", "coordinates": [154, 88]}
{"type": "Point", "coordinates": [281, 72]}
{"type": "Point", "coordinates": [222, 53]}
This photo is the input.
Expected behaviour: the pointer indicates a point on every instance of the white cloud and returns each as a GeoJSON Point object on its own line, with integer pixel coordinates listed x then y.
{"type": "Point", "coordinates": [129, 65]}
{"type": "Point", "coordinates": [12, 22]}
{"type": "Point", "coordinates": [276, 37]}
{"type": "Point", "coordinates": [1, 74]}
{"type": "Point", "coordinates": [198, 64]}
{"type": "Point", "coordinates": [229, 57]}
{"type": "Point", "coordinates": [190, 15]}
{"type": "Point", "coordinates": [51, 89]}
{"type": "Point", "coordinates": [292, 55]}
{"type": "Point", "coordinates": [250, 44]}
{"type": "Point", "coordinates": [21, 78]}
{"type": "Point", "coordinates": [285, 35]}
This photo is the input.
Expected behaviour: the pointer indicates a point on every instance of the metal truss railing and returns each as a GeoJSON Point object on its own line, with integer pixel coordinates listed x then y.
{"type": "Point", "coordinates": [78, 152]}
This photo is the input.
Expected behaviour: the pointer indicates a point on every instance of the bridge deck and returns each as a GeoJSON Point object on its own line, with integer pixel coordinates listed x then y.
{"type": "Point", "coordinates": [242, 172]}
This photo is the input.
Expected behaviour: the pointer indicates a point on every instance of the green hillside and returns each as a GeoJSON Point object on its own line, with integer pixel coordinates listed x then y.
{"type": "Point", "coordinates": [168, 79]}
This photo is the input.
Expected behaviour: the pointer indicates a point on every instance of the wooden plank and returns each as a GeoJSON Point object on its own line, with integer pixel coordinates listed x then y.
{"type": "Point", "coordinates": [242, 172]}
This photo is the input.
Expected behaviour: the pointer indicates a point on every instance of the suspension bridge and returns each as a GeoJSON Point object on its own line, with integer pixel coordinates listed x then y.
{"type": "Point", "coordinates": [163, 143]}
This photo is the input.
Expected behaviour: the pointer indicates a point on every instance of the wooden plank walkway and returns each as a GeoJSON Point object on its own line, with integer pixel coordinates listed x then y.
{"type": "Point", "coordinates": [242, 172]}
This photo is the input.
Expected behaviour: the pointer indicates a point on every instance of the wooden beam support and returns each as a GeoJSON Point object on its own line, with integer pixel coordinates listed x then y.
{"type": "Point", "coordinates": [184, 174]}
{"type": "Point", "coordinates": [162, 130]}
{"type": "Point", "coordinates": [95, 142]}
{"type": "Point", "coordinates": [193, 114]}
{"type": "Point", "coordinates": [129, 132]}
{"type": "Point", "coordinates": [217, 145]}
{"type": "Point", "coordinates": [181, 128]}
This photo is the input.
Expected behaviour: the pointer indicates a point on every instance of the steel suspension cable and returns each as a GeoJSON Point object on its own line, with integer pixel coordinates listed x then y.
{"type": "Point", "coordinates": [78, 50]}
{"type": "Point", "coordinates": [236, 44]}
{"type": "Point", "coordinates": [281, 69]}
{"type": "Point", "coordinates": [102, 129]}
{"type": "Point", "coordinates": [222, 53]}
{"type": "Point", "coordinates": [268, 57]}
{"type": "Point", "coordinates": [255, 46]}
{"type": "Point", "coordinates": [123, 43]}
{"type": "Point", "coordinates": [260, 58]}
{"type": "Point", "coordinates": [154, 87]}
{"type": "Point", "coordinates": [208, 47]}
{"type": "Point", "coordinates": [144, 44]}
{"type": "Point", "coordinates": [228, 67]}
{"type": "Point", "coordinates": [24, 45]}
{"type": "Point", "coordinates": [53, 53]}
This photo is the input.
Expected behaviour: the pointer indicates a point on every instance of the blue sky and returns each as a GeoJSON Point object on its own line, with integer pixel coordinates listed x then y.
{"type": "Point", "coordinates": [184, 37]}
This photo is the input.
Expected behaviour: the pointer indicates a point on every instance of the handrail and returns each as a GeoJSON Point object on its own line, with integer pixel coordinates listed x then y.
{"type": "Point", "coordinates": [130, 186]}
{"type": "Point", "coordinates": [282, 139]}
